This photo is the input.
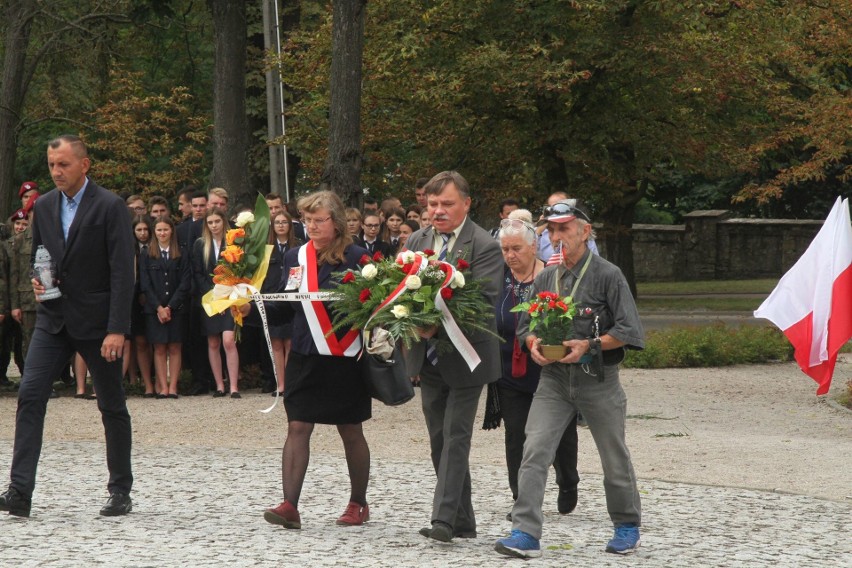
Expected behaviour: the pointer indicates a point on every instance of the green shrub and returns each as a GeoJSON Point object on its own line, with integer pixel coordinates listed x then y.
{"type": "Point", "coordinates": [710, 346]}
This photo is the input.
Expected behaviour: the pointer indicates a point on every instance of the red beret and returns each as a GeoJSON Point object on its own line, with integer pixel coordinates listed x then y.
{"type": "Point", "coordinates": [19, 214]}
{"type": "Point", "coordinates": [27, 186]}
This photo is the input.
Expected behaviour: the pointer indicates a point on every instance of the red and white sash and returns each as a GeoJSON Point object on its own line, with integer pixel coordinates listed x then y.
{"type": "Point", "coordinates": [318, 319]}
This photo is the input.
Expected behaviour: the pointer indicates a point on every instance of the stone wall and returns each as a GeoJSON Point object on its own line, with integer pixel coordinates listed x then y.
{"type": "Point", "coordinates": [711, 245]}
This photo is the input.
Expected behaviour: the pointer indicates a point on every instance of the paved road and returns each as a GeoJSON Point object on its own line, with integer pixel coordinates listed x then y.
{"type": "Point", "coordinates": [196, 506]}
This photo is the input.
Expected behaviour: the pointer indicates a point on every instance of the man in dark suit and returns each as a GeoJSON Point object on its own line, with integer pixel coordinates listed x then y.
{"type": "Point", "coordinates": [450, 391]}
{"type": "Point", "coordinates": [86, 230]}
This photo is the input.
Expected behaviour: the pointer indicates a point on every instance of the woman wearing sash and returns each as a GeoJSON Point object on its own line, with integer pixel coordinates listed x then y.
{"type": "Point", "coordinates": [324, 385]}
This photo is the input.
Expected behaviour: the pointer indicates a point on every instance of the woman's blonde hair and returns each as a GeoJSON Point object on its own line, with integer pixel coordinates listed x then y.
{"type": "Point", "coordinates": [334, 253]}
{"type": "Point", "coordinates": [207, 236]}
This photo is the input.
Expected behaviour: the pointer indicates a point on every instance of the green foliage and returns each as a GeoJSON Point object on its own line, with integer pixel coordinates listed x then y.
{"type": "Point", "coordinates": [711, 346]}
{"type": "Point", "coordinates": [147, 144]}
{"type": "Point", "coordinates": [257, 235]}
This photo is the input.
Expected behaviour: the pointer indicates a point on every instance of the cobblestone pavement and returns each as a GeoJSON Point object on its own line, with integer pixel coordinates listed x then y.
{"type": "Point", "coordinates": [196, 506]}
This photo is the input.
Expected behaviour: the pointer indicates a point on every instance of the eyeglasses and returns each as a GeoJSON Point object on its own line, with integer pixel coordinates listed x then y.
{"type": "Point", "coordinates": [516, 224]}
{"type": "Point", "coordinates": [371, 226]}
{"type": "Point", "coordinates": [559, 209]}
{"type": "Point", "coordinates": [316, 221]}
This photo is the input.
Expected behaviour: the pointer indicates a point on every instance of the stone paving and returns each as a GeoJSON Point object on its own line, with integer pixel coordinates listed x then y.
{"type": "Point", "coordinates": [196, 506]}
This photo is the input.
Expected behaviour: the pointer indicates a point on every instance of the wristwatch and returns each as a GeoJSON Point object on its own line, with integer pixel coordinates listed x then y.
{"type": "Point", "coordinates": [594, 345]}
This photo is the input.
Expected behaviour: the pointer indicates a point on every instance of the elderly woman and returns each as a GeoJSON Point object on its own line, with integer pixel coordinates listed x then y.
{"type": "Point", "coordinates": [516, 386]}
{"type": "Point", "coordinates": [323, 384]}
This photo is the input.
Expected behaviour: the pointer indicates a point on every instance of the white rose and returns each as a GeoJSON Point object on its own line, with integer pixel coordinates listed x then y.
{"type": "Point", "coordinates": [400, 311]}
{"type": "Point", "coordinates": [413, 282]}
{"type": "Point", "coordinates": [458, 280]}
{"type": "Point", "coordinates": [244, 219]}
{"type": "Point", "coordinates": [369, 272]}
{"type": "Point", "coordinates": [406, 256]}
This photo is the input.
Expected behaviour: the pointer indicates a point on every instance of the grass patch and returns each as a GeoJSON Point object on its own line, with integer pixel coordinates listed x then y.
{"type": "Point", "coordinates": [764, 286]}
{"type": "Point", "coordinates": [688, 304]}
{"type": "Point", "coordinates": [710, 346]}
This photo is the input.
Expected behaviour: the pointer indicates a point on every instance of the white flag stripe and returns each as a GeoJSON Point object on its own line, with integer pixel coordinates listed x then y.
{"type": "Point", "coordinates": [807, 287]}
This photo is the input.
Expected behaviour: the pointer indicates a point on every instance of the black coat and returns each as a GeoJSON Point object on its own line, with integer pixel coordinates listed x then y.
{"type": "Point", "coordinates": [164, 282]}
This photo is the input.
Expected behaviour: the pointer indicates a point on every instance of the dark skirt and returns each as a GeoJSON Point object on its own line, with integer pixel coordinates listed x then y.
{"type": "Point", "coordinates": [172, 331]}
{"type": "Point", "coordinates": [214, 325]}
{"type": "Point", "coordinates": [322, 389]}
{"type": "Point", "coordinates": [137, 318]}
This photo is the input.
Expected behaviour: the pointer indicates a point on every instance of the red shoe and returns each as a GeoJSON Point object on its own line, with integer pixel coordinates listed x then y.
{"type": "Point", "coordinates": [285, 515]}
{"type": "Point", "coordinates": [354, 514]}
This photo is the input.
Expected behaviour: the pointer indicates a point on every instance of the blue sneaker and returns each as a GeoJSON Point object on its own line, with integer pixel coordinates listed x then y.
{"type": "Point", "coordinates": [519, 544]}
{"type": "Point", "coordinates": [625, 540]}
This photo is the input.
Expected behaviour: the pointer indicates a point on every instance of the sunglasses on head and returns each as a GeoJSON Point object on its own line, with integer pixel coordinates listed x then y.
{"type": "Point", "coordinates": [564, 209]}
{"type": "Point", "coordinates": [516, 224]}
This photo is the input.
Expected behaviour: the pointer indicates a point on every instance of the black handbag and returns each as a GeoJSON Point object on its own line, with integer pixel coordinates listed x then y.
{"type": "Point", "coordinates": [387, 381]}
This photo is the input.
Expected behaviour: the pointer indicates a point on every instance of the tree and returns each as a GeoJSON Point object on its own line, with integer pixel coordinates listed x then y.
{"type": "Point", "coordinates": [147, 144]}
{"type": "Point", "coordinates": [342, 171]}
{"type": "Point", "coordinates": [230, 127]}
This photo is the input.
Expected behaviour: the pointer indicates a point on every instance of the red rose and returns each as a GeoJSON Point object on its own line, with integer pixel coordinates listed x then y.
{"type": "Point", "coordinates": [378, 257]}
{"type": "Point", "coordinates": [348, 277]}
{"type": "Point", "coordinates": [365, 295]}
{"type": "Point", "coordinates": [428, 252]}
{"type": "Point", "coordinates": [543, 295]}
{"type": "Point", "coordinates": [446, 293]}
{"type": "Point", "coordinates": [551, 304]}
{"type": "Point", "coordinates": [462, 264]}
{"type": "Point", "coordinates": [365, 259]}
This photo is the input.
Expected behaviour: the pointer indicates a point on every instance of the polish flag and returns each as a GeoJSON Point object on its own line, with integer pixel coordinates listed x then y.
{"type": "Point", "coordinates": [812, 303]}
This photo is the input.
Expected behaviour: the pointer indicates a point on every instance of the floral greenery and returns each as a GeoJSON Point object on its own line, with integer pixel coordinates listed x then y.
{"type": "Point", "coordinates": [362, 292]}
{"type": "Point", "coordinates": [551, 315]}
{"type": "Point", "coordinates": [244, 246]}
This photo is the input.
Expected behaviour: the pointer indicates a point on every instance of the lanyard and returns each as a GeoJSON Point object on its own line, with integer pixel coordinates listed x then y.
{"type": "Point", "coordinates": [577, 281]}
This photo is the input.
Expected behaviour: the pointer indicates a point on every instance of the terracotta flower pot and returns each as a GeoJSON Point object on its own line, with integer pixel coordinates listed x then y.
{"type": "Point", "coordinates": [554, 352]}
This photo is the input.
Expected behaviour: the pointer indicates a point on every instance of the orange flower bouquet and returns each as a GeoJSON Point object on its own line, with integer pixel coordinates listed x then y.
{"type": "Point", "coordinates": [242, 264]}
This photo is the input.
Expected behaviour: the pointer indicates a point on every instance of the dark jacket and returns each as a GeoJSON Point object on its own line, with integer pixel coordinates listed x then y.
{"type": "Point", "coordinates": [94, 267]}
{"type": "Point", "coordinates": [164, 282]}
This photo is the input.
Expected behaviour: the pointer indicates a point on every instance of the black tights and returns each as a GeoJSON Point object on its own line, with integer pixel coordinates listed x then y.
{"type": "Point", "coordinates": [297, 452]}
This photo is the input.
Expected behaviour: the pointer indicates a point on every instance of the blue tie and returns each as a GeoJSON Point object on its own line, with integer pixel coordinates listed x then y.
{"type": "Point", "coordinates": [443, 254]}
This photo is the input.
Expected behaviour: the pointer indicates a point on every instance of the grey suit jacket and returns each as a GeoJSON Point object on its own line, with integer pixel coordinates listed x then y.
{"type": "Point", "coordinates": [476, 246]}
{"type": "Point", "coordinates": [94, 267]}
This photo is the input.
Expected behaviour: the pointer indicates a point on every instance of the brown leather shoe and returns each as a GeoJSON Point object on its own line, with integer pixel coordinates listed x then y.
{"type": "Point", "coordinates": [285, 515]}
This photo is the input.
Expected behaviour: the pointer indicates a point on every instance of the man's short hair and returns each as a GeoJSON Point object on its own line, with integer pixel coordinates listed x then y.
{"type": "Point", "coordinates": [199, 194]}
{"type": "Point", "coordinates": [218, 192]}
{"type": "Point", "coordinates": [187, 192]}
{"type": "Point", "coordinates": [421, 182]}
{"type": "Point", "coordinates": [510, 202]}
{"type": "Point", "coordinates": [158, 200]}
{"type": "Point", "coordinates": [75, 141]}
{"type": "Point", "coordinates": [370, 201]}
{"type": "Point", "coordinates": [437, 184]}
{"type": "Point", "coordinates": [133, 198]}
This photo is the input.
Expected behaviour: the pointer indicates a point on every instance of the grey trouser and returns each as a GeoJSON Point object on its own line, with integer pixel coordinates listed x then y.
{"type": "Point", "coordinates": [562, 392]}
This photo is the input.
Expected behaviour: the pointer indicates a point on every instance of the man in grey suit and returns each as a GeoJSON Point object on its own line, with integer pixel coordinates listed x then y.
{"type": "Point", "coordinates": [449, 390]}
{"type": "Point", "coordinates": [86, 230]}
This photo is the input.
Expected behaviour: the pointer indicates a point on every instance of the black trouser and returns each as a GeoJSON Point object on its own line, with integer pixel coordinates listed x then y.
{"type": "Point", "coordinates": [515, 407]}
{"type": "Point", "coordinates": [196, 346]}
{"type": "Point", "coordinates": [47, 355]}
